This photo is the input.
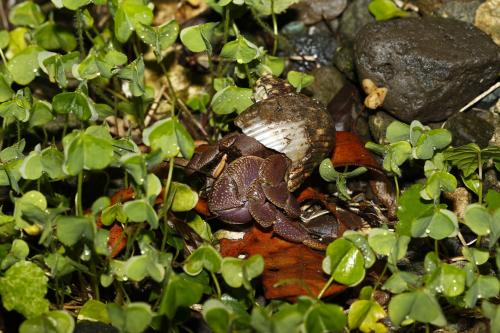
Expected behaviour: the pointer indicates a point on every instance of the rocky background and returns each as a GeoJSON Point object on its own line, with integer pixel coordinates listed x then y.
{"type": "Point", "coordinates": [432, 64]}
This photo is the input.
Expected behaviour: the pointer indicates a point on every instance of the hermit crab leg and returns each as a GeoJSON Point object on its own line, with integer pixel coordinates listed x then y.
{"type": "Point", "coordinates": [272, 176]}
{"type": "Point", "coordinates": [290, 229]}
{"type": "Point", "coordinates": [263, 212]}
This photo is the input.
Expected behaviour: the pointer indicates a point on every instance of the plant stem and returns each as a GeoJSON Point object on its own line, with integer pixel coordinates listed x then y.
{"type": "Point", "coordinates": [275, 29]}
{"type": "Point", "coordinates": [78, 198]}
{"type": "Point", "coordinates": [325, 287]}
{"type": "Point", "coordinates": [377, 284]}
{"type": "Point", "coordinates": [247, 72]}
{"type": "Point", "coordinates": [173, 95]}
{"type": "Point", "coordinates": [3, 58]}
{"type": "Point", "coordinates": [79, 32]}
{"type": "Point", "coordinates": [227, 19]}
{"type": "Point", "coordinates": [480, 175]}
{"type": "Point", "coordinates": [165, 197]}
{"type": "Point", "coordinates": [93, 276]}
{"type": "Point", "coordinates": [396, 184]}
{"type": "Point", "coordinates": [216, 283]}
{"type": "Point", "coordinates": [18, 125]}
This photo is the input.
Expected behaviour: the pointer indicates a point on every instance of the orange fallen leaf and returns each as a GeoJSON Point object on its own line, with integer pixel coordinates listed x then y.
{"type": "Point", "coordinates": [351, 151]}
{"type": "Point", "coordinates": [290, 270]}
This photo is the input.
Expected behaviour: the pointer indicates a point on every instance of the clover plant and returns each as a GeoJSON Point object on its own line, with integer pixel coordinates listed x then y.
{"type": "Point", "coordinates": [84, 116]}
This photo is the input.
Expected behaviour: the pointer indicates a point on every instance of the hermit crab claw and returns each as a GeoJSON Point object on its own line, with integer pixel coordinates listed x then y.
{"type": "Point", "coordinates": [255, 188]}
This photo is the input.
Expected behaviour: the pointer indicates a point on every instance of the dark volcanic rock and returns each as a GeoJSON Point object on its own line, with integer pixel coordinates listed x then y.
{"type": "Point", "coordinates": [309, 47]}
{"type": "Point", "coordinates": [314, 11]}
{"type": "Point", "coordinates": [432, 67]}
{"type": "Point", "coordinates": [355, 17]}
{"type": "Point", "coordinates": [467, 127]}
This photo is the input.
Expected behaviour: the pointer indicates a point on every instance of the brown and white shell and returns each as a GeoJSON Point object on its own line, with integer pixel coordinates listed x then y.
{"type": "Point", "coordinates": [292, 124]}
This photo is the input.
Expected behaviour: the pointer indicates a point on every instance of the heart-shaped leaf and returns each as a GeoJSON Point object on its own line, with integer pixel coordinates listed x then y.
{"type": "Point", "coordinates": [419, 305]}
{"type": "Point", "coordinates": [204, 257]}
{"type": "Point", "coordinates": [344, 262]}
{"type": "Point", "coordinates": [197, 37]}
{"type": "Point", "coordinates": [71, 229]}
{"type": "Point", "coordinates": [232, 99]}
{"type": "Point", "coordinates": [130, 15]}
{"type": "Point", "coordinates": [140, 211]}
{"type": "Point", "coordinates": [159, 38]}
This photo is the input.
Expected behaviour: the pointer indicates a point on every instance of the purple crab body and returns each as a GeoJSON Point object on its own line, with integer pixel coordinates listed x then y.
{"type": "Point", "coordinates": [285, 136]}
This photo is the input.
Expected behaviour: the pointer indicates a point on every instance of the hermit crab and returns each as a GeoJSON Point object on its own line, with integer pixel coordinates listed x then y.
{"type": "Point", "coordinates": [285, 135]}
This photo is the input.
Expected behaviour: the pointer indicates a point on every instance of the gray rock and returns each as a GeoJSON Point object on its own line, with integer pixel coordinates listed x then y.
{"type": "Point", "coordinates": [467, 127]}
{"type": "Point", "coordinates": [355, 17]}
{"type": "Point", "coordinates": [463, 10]}
{"type": "Point", "coordinates": [378, 125]}
{"type": "Point", "coordinates": [309, 47]}
{"type": "Point", "coordinates": [327, 83]}
{"type": "Point", "coordinates": [344, 61]}
{"type": "Point", "coordinates": [314, 11]}
{"type": "Point", "coordinates": [432, 67]}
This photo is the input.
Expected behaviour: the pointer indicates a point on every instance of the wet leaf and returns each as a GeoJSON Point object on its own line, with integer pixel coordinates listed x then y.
{"type": "Point", "coordinates": [443, 223]}
{"type": "Point", "coordinates": [344, 262]}
{"type": "Point", "coordinates": [204, 257]}
{"type": "Point", "coordinates": [41, 114]}
{"type": "Point", "coordinates": [159, 38]}
{"type": "Point", "coordinates": [26, 13]}
{"type": "Point", "coordinates": [476, 256]}
{"type": "Point", "coordinates": [362, 244]}
{"type": "Point", "coordinates": [181, 291]}
{"type": "Point", "coordinates": [483, 287]}
{"type": "Point", "coordinates": [299, 80]}
{"type": "Point", "coordinates": [129, 15]}
{"type": "Point", "coordinates": [90, 150]}
{"type": "Point", "coordinates": [131, 318]}
{"type": "Point", "coordinates": [419, 305]}
{"type": "Point", "coordinates": [431, 141]}
{"type": "Point", "coordinates": [365, 314]}
{"type": "Point", "coordinates": [263, 7]}
{"type": "Point", "coordinates": [141, 211]}
{"type": "Point", "coordinates": [74, 102]}
{"type": "Point", "coordinates": [185, 198]}
{"type": "Point", "coordinates": [238, 272]}
{"type": "Point", "coordinates": [325, 318]}
{"type": "Point", "coordinates": [51, 37]}
{"type": "Point", "coordinates": [240, 50]}
{"type": "Point", "coordinates": [477, 218]}
{"type": "Point", "coordinates": [18, 251]}
{"type": "Point", "coordinates": [24, 65]}
{"type": "Point", "coordinates": [217, 315]}
{"type": "Point", "coordinates": [74, 4]}
{"type": "Point", "coordinates": [4, 39]}
{"type": "Point", "coordinates": [32, 168]}
{"type": "Point", "coordinates": [94, 310]}
{"type": "Point", "coordinates": [139, 267]}
{"type": "Point", "coordinates": [412, 208]}
{"type": "Point", "coordinates": [232, 99]}
{"type": "Point", "coordinates": [72, 229]}
{"type": "Point", "coordinates": [448, 280]}
{"type": "Point", "coordinates": [385, 10]}
{"type": "Point", "coordinates": [197, 37]}
{"type": "Point", "coordinates": [382, 241]}
{"type": "Point", "coordinates": [30, 201]}
{"type": "Point", "coordinates": [438, 182]}
{"type": "Point", "coordinates": [60, 265]}
{"type": "Point", "coordinates": [57, 321]}
{"type": "Point", "coordinates": [401, 281]}
{"type": "Point", "coordinates": [134, 74]}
